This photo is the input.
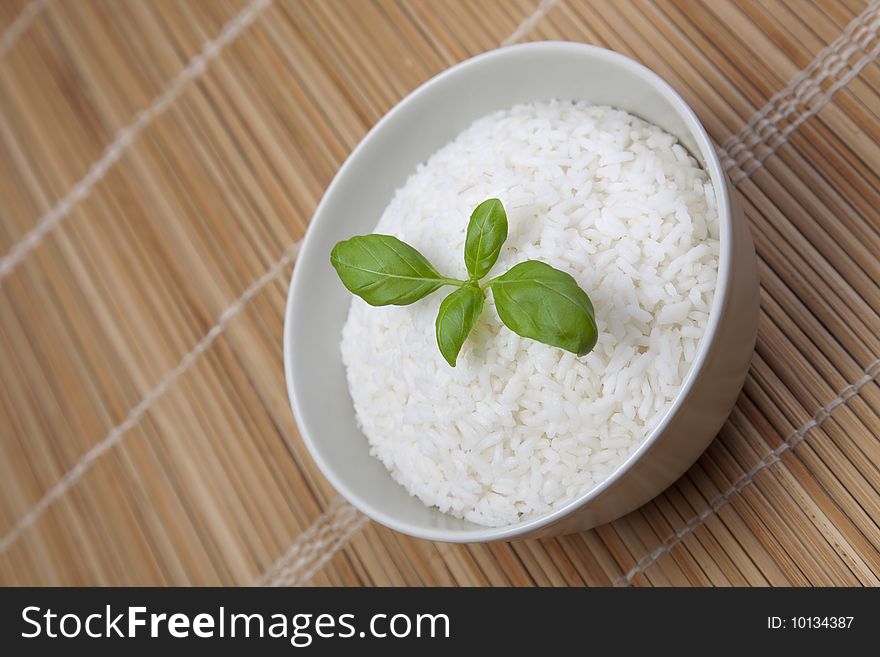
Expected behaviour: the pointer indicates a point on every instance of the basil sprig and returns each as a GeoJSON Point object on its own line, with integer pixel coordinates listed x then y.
{"type": "Point", "coordinates": [533, 299]}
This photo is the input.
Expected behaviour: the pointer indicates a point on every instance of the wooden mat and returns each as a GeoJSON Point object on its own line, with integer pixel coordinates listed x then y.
{"type": "Point", "coordinates": [159, 162]}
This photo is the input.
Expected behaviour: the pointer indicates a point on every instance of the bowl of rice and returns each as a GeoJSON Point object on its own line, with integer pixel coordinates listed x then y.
{"type": "Point", "coordinates": [606, 174]}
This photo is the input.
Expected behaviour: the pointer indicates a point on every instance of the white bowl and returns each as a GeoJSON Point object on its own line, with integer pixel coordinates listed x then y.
{"type": "Point", "coordinates": [424, 121]}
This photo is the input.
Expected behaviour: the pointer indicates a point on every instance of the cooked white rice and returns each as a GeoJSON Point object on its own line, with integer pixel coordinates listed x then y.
{"type": "Point", "coordinates": [519, 428]}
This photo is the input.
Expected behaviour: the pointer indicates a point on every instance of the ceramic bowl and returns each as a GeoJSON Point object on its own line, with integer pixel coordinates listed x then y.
{"type": "Point", "coordinates": [428, 118]}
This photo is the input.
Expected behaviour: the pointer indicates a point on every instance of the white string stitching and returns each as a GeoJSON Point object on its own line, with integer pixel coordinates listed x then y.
{"type": "Point", "coordinates": [114, 150]}
{"type": "Point", "coordinates": [340, 542]}
{"type": "Point", "coordinates": [529, 23]}
{"type": "Point", "coordinates": [803, 87]}
{"type": "Point", "coordinates": [21, 22]}
{"type": "Point", "coordinates": [134, 415]}
{"type": "Point", "coordinates": [306, 555]}
{"type": "Point", "coordinates": [819, 417]}
{"type": "Point", "coordinates": [803, 91]}
{"type": "Point", "coordinates": [296, 547]}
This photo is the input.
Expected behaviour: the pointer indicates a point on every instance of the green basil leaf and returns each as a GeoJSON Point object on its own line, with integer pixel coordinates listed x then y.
{"type": "Point", "coordinates": [539, 302]}
{"type": "Point", "coordinates": [383, 270]}
{"type": "Point", "coordinates": [486, 232]}
{"type": "Point", "coordinates": [458, 314]}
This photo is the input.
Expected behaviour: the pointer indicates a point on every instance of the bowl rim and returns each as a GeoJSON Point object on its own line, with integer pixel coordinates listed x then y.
{"type": "Point", "coordinates": [725, 218]}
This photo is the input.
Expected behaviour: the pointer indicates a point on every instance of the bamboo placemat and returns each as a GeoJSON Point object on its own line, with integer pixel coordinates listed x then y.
{"type": "Point", "coordinates": [159, 162]}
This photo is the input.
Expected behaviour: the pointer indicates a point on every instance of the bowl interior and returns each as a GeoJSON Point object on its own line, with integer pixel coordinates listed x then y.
{"type": "Point", "coordinates": [423, 122]}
